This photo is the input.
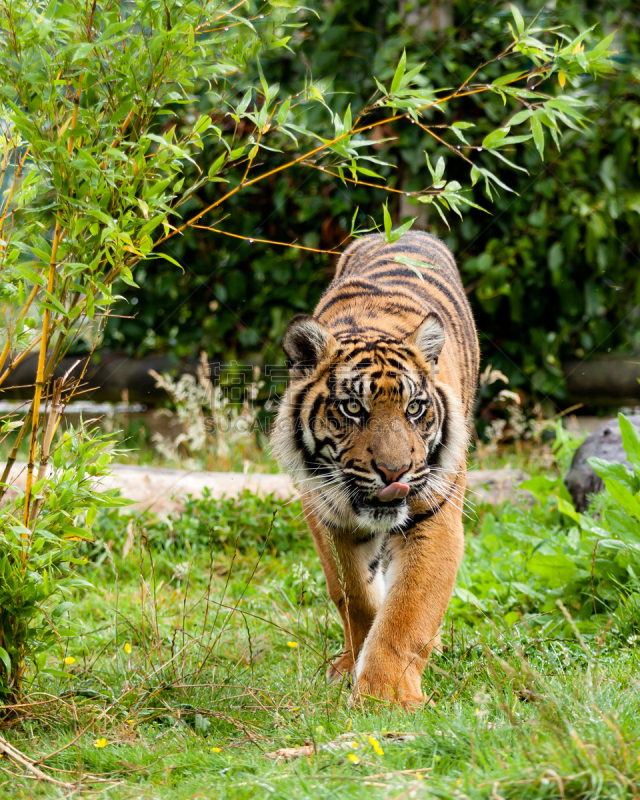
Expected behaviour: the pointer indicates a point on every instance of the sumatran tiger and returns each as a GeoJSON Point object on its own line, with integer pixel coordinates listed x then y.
{"type": "Point", "coordinates": [374, 429]}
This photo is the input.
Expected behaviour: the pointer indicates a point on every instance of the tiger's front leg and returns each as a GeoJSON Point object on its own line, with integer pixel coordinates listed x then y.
{"type": "Point", "coordinates": [355, 585]}
{"type": "Point", "coordinates": [420, 576]}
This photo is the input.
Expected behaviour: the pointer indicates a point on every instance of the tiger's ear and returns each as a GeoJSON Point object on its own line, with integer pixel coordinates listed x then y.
{"type": "Point", "coordinates": [428, 337]}
{"type": "Point", "coordinates": [305, 343]}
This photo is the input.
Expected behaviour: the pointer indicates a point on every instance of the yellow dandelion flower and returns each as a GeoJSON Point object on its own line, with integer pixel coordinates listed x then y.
{"type": "Point", "coordinates": [131, 722]}
{"type": "Point", "coordinates": [215, 749]}
{"type": "Point", "coordinates": [292, 645]}
{"type": "Point", "coordinates": [353, 758]}
{"type": "Point", "coordinates": [419, 776]}
{"type": "Point", "coordinates": [353, 744]}
{"type": "Point", "coordinates": [459, 782]}
{"type": "Point", "coordinates": [100, 743]}
{"type": "Point", "coordinates": [69, 660]}
{"type": "Point", "coordinates": [376, 746]}
{"type": "Point", "coordinates": [127, 648]}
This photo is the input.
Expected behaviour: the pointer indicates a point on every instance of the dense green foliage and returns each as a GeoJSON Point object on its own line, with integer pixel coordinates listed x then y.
{"type": "Point", "coordinates": [38, 562]}
{"type": "Point", "coordinates": [552, 274]}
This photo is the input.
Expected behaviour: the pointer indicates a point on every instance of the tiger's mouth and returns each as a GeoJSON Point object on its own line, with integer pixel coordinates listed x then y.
{"type": "Point", "coordinates": [375, 502]}
{"type": "Point", "coordinates": [364, 499]}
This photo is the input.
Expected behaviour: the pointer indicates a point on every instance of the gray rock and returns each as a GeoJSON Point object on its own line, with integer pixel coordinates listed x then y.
{"type": "Point", "coordinates": [605, 443]}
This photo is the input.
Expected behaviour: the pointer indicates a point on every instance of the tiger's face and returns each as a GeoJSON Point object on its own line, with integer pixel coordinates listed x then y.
{"type": "Point", "coordinates": [365, 428]}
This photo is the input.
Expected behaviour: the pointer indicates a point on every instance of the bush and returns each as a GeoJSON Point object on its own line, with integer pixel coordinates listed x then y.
{"type": "Point", "coordinates": [527, 557]}
{"type": "Point", "coordinates": [247, 523]}
{"type": "Point", "coordinates": [37, 562]}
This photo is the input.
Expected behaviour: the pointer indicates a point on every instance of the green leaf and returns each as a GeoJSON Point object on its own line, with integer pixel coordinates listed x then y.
{"type": "Point", "coordinates": [169, 258]}
{"type": "Point", "coordinates": [512, 76]}
{"type": "Point", "coordinates": [29, 274]}
{"type": "Point", "coordinates": [495, 152]}
{"type": "Point", "coordinates": [347, 119]}
{"type": "Point", "coordinates": [629, 502]}
{"type": "Point", "coordinates": [520, 117]}
{"type": "Point", "coordinates": [556, 568]}
{"type": "Point", "coordinates": [398, 232]}
{"type": "Point", "coordinates": [55, 304]}
{"type": "Point", "coordinates": [387, 222]}
{"type": "Point", "coordinates": [202, 124]}
{"type": "Point", "coordinates": [215, 167]}
{"type": "Point", "coordinates": [4, 657]}
{"type": "Point", "coordinates": [538, 134]}
{"type": "Point", "coordinates": [488, 175]}
{"type": "Point", "coordinates": [517, 16]}
{"type": "Point", "coordinates": [603, 45]}
{"type": "Point", "coordinates": [400, 70]}
{"type": "Point", "coordinates": [415, 264]}
{"type": "Point", "coordinates": [612, 471]}
{"type": "Point", "coordinates": [493, 138]}
{"type": "Point", "coordinates": [263, 82]}
{"type": "Point", "coordinates": [566, 508]}
{"type": "Point", "coordinates": [244, 103]}
{"type": "Point", "coordinates": [100, 215]}
{"type": "Point", "coordinates": [630, 441]}
{"type": "Point", "coordinates": [283, 111]}
{"type": "Point", "coordinates": [83, 50]}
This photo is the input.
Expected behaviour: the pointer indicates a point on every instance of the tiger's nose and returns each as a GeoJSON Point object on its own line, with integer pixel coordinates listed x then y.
{"type": "Point", "coordinates": [391, 474]}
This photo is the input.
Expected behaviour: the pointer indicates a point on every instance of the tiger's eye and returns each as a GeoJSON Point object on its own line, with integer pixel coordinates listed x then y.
{"type": "Point", "coordinates": [353, 407]}
{"type": "Point", "coordinates": [414, 407]}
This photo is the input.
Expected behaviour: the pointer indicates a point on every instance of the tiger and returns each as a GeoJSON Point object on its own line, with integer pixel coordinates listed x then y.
{"type": "Point", "coordinates": [374, 430]}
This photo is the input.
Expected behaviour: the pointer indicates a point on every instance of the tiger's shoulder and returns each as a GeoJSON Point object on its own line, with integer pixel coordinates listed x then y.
{"type": "Point", "coordinates": [368, 251]}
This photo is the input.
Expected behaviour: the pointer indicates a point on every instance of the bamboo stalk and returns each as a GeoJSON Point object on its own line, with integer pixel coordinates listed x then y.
{"type": "Point", "coordinates": [13, 455]}
{"type": "Point", "coordinates": [37, 395]}
{"type": "Point", "coordinates": [35, 421]}
{"type": "Point", "coordinates": [52, 423]}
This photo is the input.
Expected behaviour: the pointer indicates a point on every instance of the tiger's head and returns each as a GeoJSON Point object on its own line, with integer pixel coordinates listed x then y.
{"type": "Point", "coordinates": [366, 429]}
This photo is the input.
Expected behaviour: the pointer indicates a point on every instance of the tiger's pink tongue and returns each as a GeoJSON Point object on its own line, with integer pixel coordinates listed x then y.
{"type": "Point", "coordinates": [393, 491]}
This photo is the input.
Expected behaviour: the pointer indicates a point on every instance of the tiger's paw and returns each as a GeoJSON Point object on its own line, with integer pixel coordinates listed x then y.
{"type": "Point", "coordinates": [402, 690]}
{"type": "Point", "coordinates": [342, 668]}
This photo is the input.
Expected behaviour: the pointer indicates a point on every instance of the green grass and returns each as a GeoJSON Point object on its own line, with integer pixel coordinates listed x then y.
{"type": "Point", "coordinates": [203, 645]}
